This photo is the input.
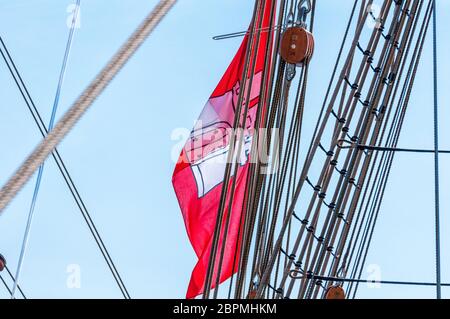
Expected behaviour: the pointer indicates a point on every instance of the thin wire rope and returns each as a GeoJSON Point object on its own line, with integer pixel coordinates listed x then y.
{"type": "Point", "coordinates": [375, 214]}
{"type": "Point", "coordinates": [267, 49]}
{"type": "Point", "coordinates": [62, 168]}
{"type": "Point", "coordinates": [382, 282]}
{"type": "Point", "coordinates": [374, 177]}
{"type": "Point", "coordinates": [244, 33]}
{"type": "Point", "coordinates": [385, 175]}
{"type": "Point", "coordinates": [13, 279]}
{"type": "Point", "coordinates": [210, 269]}
{"type": "Point", "coordinates": [82, 104]}
{"type": "Point", "coordinates": [75, 113]}
{"type": "Point", "coordinates": [364, 127]}
{"type": "Point", "coordinates": [50, 127]}
{"type": "Point", "coordinates": [398, 149]}
{"type": "Point", "coordinates": [287, 158]}
{"type": "Point", "coordinates": [254, 181]}
{"type": "Point", "coordinates": [324, 190]}
{"type": "Point", "coordinates": [436, 156]}
{"type": "Point", "coordinates": [313, 146]}
{"type": "Point", "coordinates": [6, 285]}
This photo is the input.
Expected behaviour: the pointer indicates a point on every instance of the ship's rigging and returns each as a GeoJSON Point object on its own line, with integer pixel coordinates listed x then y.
{"type": "Point", "coordinates": [309, 214]}
{"type": "Point", "coordinates": [52, 138]}
{"type": "Point", "coordinates": [309, 227]}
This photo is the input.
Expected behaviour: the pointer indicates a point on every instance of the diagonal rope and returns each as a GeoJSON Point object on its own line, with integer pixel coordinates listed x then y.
{"type": "Point", "coordinates": [50, 127]}
{"type": "Point", "coordinates": [13, 279]}
{"type": "Point", "coordinates": [68, 179]}
{"type": "Point", "coordinates": [62, 167]}
{"type": "Point", "coordinates": [82, 104]}
{"type": "Point", "coordinates": [310, 154]}
{"type": "Point", "coordinates": [6, 284]}
{"type": "Point", "coordinates": [387, 162]}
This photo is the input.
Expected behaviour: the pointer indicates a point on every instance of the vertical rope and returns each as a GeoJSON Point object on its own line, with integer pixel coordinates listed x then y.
{"type": "Point", "coordinates": [436, 157]}
{"type": "Point", "coordinates": [50, 127]}
{"type": "Point", "coordinates": [232, 150]}
{"type": "Point", "coordinates": [82, 104]}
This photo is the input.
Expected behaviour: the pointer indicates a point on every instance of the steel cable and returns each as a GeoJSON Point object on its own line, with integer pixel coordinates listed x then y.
{"type": "Point", "coordinates": [50, 127]}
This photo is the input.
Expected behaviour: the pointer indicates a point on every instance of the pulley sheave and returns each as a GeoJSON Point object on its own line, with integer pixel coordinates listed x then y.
{"type": "Point", "coordinates": [297, 45]}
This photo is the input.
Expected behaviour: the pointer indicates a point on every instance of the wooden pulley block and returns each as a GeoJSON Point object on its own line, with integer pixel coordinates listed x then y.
{"type": "Point", "coordinates": [311, 45]}
{"type": "Point", "coordinates": [335, 292]}
{"type": "Point", "coordinates": [297, 45]}
{"type": "Point", "coordinates": [2, 263]}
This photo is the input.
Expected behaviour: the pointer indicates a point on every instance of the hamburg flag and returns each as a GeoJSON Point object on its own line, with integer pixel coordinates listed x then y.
{"type": "Point", "coordinates": [199, 173]}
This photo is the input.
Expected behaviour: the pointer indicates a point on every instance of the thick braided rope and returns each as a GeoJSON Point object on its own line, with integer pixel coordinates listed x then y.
{"type": "Point", "coordinates": [44, 149]}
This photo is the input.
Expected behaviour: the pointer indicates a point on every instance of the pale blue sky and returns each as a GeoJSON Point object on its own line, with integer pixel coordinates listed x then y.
{"type": "Point", "coordinates": [119, 155]}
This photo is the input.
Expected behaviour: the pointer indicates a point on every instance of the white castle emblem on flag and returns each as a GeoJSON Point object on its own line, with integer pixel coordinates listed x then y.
{"type": "Point", "coordinates": [208, 146]}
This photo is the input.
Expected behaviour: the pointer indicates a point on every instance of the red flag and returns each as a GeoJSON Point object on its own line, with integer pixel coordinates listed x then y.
{"type": "Point", "coordinates": [199, 173]}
